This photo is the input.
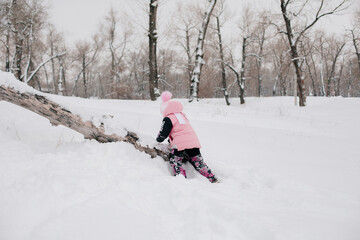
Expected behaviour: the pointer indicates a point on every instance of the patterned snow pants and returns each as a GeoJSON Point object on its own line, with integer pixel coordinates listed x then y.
{"type": "Point", "coordinates": [178, 157]}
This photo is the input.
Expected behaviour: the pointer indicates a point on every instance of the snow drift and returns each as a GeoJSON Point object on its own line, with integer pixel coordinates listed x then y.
{"type": "Point", "coordinates": [287, 173]}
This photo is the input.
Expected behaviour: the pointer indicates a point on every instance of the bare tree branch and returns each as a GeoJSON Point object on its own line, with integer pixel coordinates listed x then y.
{"type": "Point", "coordinates": [317, 17]}
{"type": "Point", "coordinates": [43, 63]}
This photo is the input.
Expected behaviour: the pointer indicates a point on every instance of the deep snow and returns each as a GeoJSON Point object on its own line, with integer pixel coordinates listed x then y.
{"type": "Point", "coordinates": [287, 173]}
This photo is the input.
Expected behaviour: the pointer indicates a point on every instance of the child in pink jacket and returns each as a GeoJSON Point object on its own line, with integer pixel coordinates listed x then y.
{"type": "Point", "coordinates": [183, 139]}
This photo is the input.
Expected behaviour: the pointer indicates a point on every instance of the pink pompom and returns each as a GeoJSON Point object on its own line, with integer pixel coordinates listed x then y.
{"type": "Point", "coordinates": [166, 96]}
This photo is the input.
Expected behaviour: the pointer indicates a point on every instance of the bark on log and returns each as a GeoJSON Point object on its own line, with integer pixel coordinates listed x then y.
{"type": "Point", "coordinates": [58, 115]}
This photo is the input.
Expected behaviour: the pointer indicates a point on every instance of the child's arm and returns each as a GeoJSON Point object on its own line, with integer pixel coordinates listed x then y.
{"type": "Point", "coordinates": [165, 129]}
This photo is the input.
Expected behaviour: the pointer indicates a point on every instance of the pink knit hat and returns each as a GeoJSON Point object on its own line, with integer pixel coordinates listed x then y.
{"type": "Point", "coordinates": [165, 98]}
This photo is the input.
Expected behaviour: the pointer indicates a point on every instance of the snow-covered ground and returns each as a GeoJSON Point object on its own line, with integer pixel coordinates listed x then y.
{"type": "Point", "coordinates": [287, 173]}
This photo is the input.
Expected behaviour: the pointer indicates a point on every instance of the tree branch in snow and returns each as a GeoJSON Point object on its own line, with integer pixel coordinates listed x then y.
{"type": "Point", "coordinates": [58, 115]}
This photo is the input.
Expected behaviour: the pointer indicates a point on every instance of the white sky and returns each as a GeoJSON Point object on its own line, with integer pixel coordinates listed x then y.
{"type": "Point", "coordinates": [79, 19]}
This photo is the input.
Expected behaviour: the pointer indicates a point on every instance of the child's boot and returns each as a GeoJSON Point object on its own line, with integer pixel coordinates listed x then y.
{"type": "Point", "coordinates": [176, 165]}
{"type": "Point", "coordinates": [202, 168]}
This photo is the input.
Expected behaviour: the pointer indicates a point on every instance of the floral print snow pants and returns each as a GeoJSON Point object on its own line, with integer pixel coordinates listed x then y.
{"type": "Point", "coordinates": [197, 161]}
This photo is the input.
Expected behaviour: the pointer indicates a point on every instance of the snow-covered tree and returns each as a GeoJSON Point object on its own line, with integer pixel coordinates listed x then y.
{"type": "Point", "coordinates": [199, 53]}
{"type": "Point", "coordinates": [218, 15]}
{"type": "Point", "coordinates": [153, 36]}
{"type": "Point", "coordinates": [291, 11]}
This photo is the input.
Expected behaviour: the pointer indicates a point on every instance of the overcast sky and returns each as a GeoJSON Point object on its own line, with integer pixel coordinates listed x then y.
{"type": "Point", "coordinates": [79, 19]}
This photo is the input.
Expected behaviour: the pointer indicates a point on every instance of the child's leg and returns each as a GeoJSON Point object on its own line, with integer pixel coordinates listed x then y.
{"type": "Point", "coordinates": [175, 160]}
{"type": "Point", "coordinates": [198, 162]}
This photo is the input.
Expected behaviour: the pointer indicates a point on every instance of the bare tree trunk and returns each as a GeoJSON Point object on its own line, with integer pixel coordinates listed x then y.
{"type": "Point", "coordinates": [47, 79]}
{"type": "Point", "coordinates": [259, 64]}
{"type": "Point", "coordinates": [29, 55]}
{"type": "Point", "coordinates": [62, 78]}
{"type": "Point", "coordinates": [7, 54]}
{"type": "Point", "coordinates": [112, 21]}
{"type": "Point", "coordinates": [58, 115]}
{"type": "Point", "coordinates": [278, 65]}
{"type": "Point", "coordinates": [199, 53]}
{"type": "Point", "coordinates": [188, 53]}
{"type": "Point", "coordinates": [236, 73]}
{"type": "Point", "coordinates": [332, 73]}
{"type": "Point", "coordinates": [60, 87]}
{"type": "Point", "coordinates": [101, 87]}
{"type": "Point", "coordinates": [275, 84]}
{"type": "Point", "coordinates": [241, 83]}
{"type": "Point", "coordinates": [56, 90]}
{"type": "Point", "coordinates": [112, 51]}
{"type": "Point", "coordinates": [294, 55]}
{"type": "Point", "coordinates": [357, 52]}
{"type": "Point", "coordinates": [8, 30]}
{"type": "Point", "coordinates": [294, 40]}
{"type": "Point", "coordinates": [43, 64]}
{"type": "Point", "coordinates": [222, 63]}
{"type": "Point", "coordinates": [311, 76]}
{"type": "Point", "coordinates": [322, 88]}
{"type": "Point", "coordinates": [18, 55]}
{"type": "Point", "coordinates": [349, 79]}
{"type": "Point", "coordinates": [337, 92]}
{"type": "Point", "coordinates": [260, 59]}
{"type": "Point", "coordinates": [84, 66]}
{"type": "Point", "coordinates": [153, 75]}
{"type": "Point", "coordinates": [18, 40]}
{"type": "Point", "coordinates": [84, 75]}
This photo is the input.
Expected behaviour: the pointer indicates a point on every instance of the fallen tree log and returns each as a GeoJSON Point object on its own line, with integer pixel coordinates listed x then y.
{"type": "Point", "coordinates": [58, 115]}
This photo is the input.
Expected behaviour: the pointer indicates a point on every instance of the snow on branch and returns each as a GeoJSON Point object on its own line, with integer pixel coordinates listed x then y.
{"type": "Point", "coordinates": [19, 93]}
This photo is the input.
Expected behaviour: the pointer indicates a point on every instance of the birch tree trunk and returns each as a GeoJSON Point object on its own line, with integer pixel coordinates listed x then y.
{"type": "Point", "coordinates": [322, 78]}
{"type": "Point", "coordinates": [188, 54]}
{"type": "Point", "coordinates": [199, 53]}
{"type": "Point", "coordinates": [222, 63]}
{"type": "Point", "coordinates": [241, 83]}
{"type": "Point", "coordinates": [8, 30]}
{"type": "Point", "coordinates": [153, 75]}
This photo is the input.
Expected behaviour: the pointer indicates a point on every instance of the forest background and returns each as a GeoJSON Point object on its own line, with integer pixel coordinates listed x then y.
{"type": "Point", "coordinates": [110, 58]}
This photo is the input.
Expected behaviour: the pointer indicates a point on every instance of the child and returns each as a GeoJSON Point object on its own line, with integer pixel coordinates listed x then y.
{"type": "Point", "coordinates": [183, 139]}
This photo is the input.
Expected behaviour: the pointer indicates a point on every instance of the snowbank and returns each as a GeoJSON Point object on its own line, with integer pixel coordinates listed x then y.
{"type": "Point", "coordinates": [287, 173]}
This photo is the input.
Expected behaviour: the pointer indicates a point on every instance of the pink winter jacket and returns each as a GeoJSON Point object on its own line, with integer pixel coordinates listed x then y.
{"type": "Point", "coordinates": [182, 135]}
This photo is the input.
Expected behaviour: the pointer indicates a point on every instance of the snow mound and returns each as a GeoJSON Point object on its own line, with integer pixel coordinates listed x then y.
{"type": "Point", "coordinates": [286, 173]}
